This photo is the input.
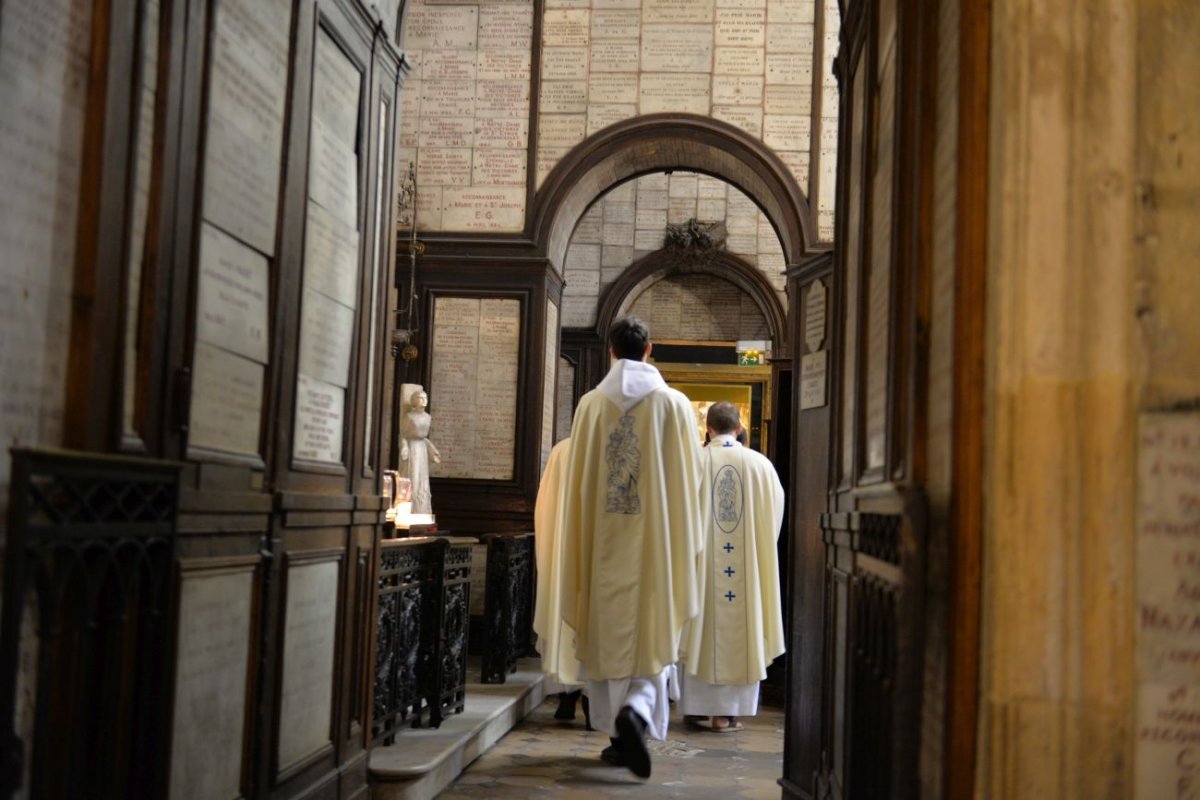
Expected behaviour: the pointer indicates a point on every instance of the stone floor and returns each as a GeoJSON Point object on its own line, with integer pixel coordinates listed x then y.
{"type": "Point", "coordinates": [543, 757]}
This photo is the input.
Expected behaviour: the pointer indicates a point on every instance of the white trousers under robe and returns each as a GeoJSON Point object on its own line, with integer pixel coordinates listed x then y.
{"type": "Point", "coordinates": [712, 700]}
{"type": "Point", "coordinates": [647, 696]}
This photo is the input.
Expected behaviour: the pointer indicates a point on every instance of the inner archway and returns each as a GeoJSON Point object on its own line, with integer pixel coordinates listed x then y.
{"type": "Point", "coordinates": [663, 143]}
{"type": "Point", "coordinates": [663, 264]}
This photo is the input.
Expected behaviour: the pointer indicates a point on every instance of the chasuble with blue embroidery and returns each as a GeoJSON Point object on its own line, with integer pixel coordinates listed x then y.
{"type": "Point", "coordinates": [740, 627]}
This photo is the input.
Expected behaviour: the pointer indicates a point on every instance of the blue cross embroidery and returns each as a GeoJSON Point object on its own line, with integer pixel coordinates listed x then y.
{"type": "Point", "coordinates": [729, 596]}
{"type": "Point", "coordinates": [728, 547]}
{"type": "Point", "coordinates": [729, 572]}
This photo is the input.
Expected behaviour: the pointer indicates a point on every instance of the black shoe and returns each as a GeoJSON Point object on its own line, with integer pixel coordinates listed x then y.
{"type": "Point", "coordinates": [613, 754]}
{"type": "Point", "coordinates": [566, 704]}
{"type": "Point", "coordinates": [587, 713]}
{"type": "Point", "coordinates": [631, 731]}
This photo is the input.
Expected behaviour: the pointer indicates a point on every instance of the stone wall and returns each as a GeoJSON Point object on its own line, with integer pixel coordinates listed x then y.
{"type": "Point", "coordinates": [1165, 334]}
{"type": "Point", "coordinates": [44, 50]}
{"type": "Point", "coordinates": [630, 222]}
{"type": "Point", "coordinates": [700, 308]}
{"type": "Point", "coordinates": [465, 118]}
{"type": "Point", "coordinates": [468, 109]}
{"type": "Point", "coordinates": [749, 64]}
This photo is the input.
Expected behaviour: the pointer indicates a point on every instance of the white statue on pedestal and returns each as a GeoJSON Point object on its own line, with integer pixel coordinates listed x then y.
{"type": "Point", "coordinates": [415, 447]}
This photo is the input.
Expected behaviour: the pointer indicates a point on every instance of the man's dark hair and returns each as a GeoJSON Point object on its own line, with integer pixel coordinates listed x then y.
{"type": "Point", "coordinates": [628, 338]}
{"type": "Point", "coordinates": [722, 417]}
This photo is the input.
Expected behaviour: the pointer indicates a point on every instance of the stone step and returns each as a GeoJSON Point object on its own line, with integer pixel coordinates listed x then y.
{"type": "Point", "coordinates": [424, 761]}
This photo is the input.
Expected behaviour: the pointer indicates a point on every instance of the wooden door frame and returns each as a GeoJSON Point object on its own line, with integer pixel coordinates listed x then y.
{"type": "Point", "coordinates": [966, 505]}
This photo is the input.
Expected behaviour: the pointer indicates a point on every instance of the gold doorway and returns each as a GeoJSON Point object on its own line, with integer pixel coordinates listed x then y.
{"type": "Point", "coordinates": [748, 388]}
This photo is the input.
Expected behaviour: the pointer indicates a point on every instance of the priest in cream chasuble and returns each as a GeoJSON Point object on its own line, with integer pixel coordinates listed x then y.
{"type": "Point", "coordinates": [632, 539]}
{"type": "Point", "coordinates": [740, 627]}
{"type": "Point", "coordinates": [556, 639]}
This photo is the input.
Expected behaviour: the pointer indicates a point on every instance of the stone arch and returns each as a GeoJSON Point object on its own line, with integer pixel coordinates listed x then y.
{"type": "Point", "coordinates": [663, 264]}
{"type": "Point", "coordinates": [664, 143]}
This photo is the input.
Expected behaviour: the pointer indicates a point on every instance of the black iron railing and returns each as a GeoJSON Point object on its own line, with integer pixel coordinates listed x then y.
{"type": "Point", "coordinates": [508, 604]}
{"type": "Point", "coordinates": [89, 553]}
{"type": "Point", "coordinates": [421, 646]}
{"type": "Point", "coordinates": [450, 674]}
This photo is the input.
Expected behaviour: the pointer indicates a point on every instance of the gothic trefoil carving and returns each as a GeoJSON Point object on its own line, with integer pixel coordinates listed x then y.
{"type": "Point", "coordinates": [624, 464]}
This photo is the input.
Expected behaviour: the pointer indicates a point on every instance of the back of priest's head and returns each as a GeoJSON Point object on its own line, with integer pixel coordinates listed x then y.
{"type": "Point", "coordinates": [722, 418]}
{"type": "Point", "coordinates": [629, 338]}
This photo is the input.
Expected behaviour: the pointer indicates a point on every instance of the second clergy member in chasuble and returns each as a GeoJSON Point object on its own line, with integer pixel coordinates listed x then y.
{"type": "Point", "coordinates": [556, 639]}
{"type": "Point", "coordinates": [740, 627]}
{"type": "Point", "coordinates": [632, 540]}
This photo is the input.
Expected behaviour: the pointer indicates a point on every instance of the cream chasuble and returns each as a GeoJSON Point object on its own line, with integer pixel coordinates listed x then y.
{"type": "Point", "coordinates": [631, 504]}
{"type": "Point", "coordinates": [556, 640]}
{"type": "Point", "coordinates": [740, 627]}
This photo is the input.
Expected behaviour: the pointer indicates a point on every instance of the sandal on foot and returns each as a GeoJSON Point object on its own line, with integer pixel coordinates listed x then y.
{"type": "Point", "coordinates": [731, 725]}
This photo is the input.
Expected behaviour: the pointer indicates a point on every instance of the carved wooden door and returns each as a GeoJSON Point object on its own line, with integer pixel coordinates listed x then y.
{"type": "Point", "coordinates": [859, 735]}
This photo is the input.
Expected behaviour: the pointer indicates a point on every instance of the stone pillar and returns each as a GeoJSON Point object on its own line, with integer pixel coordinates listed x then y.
{"type": "Point", "coordinates": [1092, 319]}
{"type": "Point", "coordinates": [1062, 353]}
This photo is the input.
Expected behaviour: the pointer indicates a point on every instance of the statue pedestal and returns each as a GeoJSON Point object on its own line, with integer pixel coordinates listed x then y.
{"type": "Point", "coordinates": [405, 523]}
{"type": "Point", "coordinates": [406, 520]}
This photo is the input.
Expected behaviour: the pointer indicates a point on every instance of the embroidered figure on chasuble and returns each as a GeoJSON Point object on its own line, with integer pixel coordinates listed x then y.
{"type": "Point", "coordinates": [624, 464]}
{"type": "Point", "coordinates": [728, 499]}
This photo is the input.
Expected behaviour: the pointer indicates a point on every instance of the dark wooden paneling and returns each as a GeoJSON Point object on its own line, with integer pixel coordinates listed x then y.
{"type": "Point", "coordinates": [95, 370]}
{"type": "Point", "coordinates": [150, 414]}
{"type": "Point", "coordinates": [807, 449]}
{"type": "Point", "coordinates": [311, 22]}
{"type": "Point", "coordinates": [280, 513]}
{"type": "Point", "coordinates": [879, 233]}
{"type": "Point", "coordinates": [331, 511]}
{"type": "Point", "coordinates": [487, 506]}
{"type": "Point", "coordinates": [869, 721]}
{"type": "Point", "coordinates": [778, 447]}
{"type": "Point", "coordinates": [175, 380]}
{"type": "Point", "coordinates": [376, 319]}
{"type": "Point", "coordinates": [92, 412]}
{"type": "Point", "coordinates": [588, 351]}
{"type": "Point", "coordinates": [250, 511]}
{"type": "Point", "coordinates": [852, 219]}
